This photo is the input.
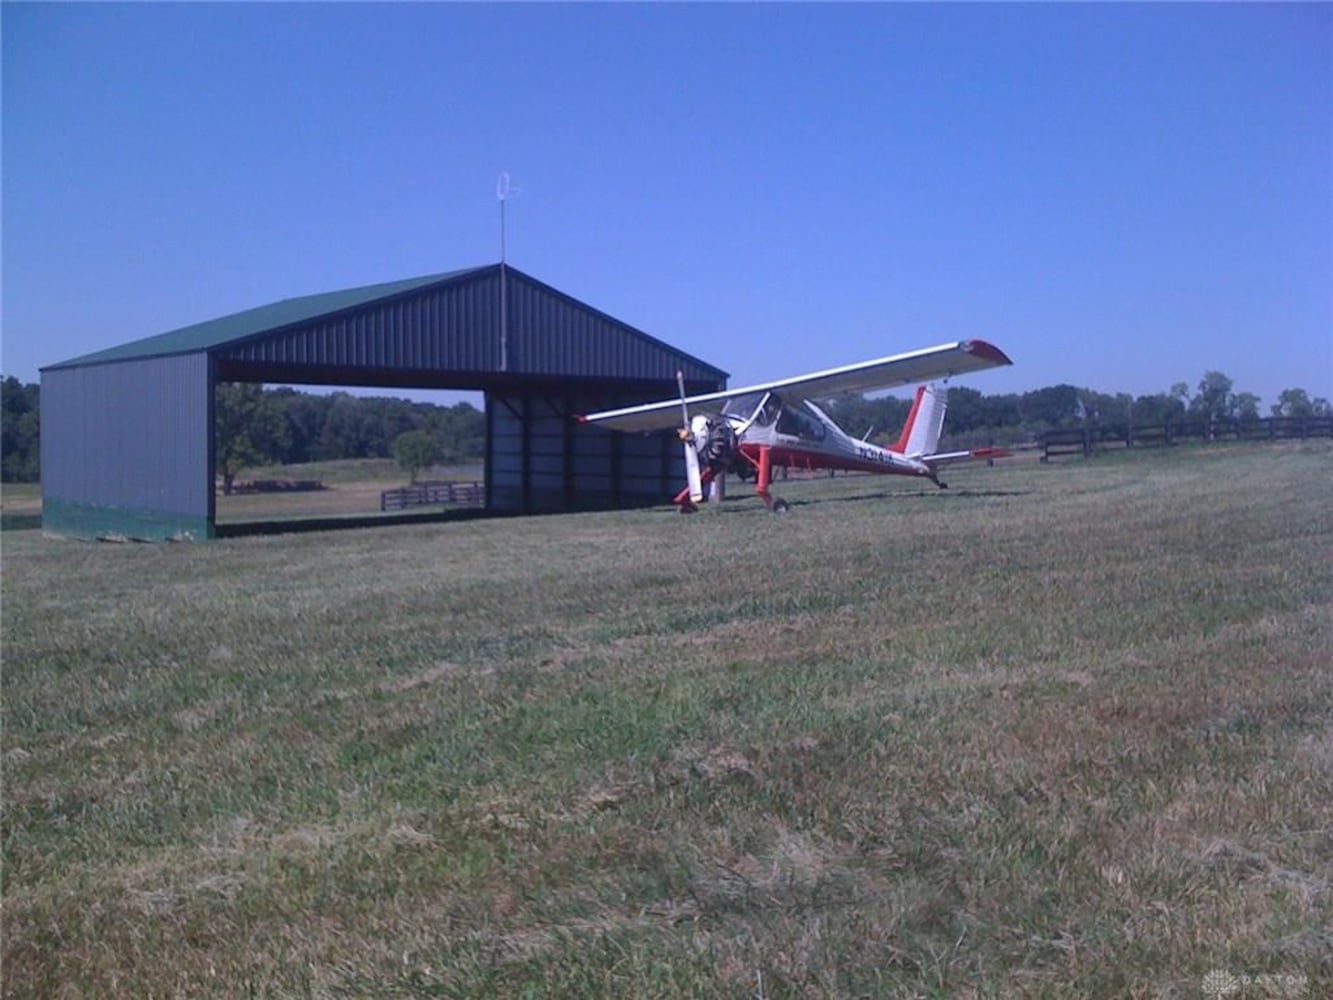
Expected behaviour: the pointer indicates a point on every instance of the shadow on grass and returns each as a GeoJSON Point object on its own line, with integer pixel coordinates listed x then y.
{"type": "Point", "coordinates": [242, 529]}
{"type": "Point", "coordinates": [277, 526]}
{"type": "Point", "coordinates": [914, 495]}
{"type": "Point", "coordinates": [747, 502]}
{"type": "Point", "coordinates": [935, 495]}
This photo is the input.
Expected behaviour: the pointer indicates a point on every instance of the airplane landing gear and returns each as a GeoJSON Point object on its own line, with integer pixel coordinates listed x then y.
{"type": "Point", "coordinates": [775, 505]}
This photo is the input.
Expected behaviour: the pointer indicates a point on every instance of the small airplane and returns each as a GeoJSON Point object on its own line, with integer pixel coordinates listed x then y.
{"type": "Point", "coordinates": [762, 427]}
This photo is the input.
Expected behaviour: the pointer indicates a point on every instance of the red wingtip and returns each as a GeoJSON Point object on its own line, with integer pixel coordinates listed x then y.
{"type": "Point", "coordinates": [990, 352]}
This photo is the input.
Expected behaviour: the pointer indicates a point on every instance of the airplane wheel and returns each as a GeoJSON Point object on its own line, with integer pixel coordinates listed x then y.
{"type": "Point", "coordinates": [780, 507]}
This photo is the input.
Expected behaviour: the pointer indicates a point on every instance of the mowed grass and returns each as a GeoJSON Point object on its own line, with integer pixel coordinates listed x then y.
{"type": "Point", "coordinates": [1059, 731]}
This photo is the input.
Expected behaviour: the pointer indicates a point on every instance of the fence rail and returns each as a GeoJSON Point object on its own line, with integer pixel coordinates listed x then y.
{"type": "Point", "coordinates": [1085, 440]}
{"type": "Point", "coordinates": [425, 494]}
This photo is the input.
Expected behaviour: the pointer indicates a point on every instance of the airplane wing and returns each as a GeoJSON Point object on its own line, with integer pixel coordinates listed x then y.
{"type": "Point", "coordinates": [882, 373]}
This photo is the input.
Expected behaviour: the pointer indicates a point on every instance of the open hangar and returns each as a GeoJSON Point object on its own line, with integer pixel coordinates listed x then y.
{"type": "Point", "coordinates": [127, 433]}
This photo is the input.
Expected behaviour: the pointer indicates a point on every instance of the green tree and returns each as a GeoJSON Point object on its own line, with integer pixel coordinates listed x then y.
{"type": "Point", "coordinates": [246, 429]}
{"type": "Point", "coordinates": [966, 410]}
{"type": "Point", "coordinates": [1293, 403]}
{"type": "Point", "coordinates": [1215, 400]}
{"type": "Point", "coordinates": [20, 426]}
{"type": "Point", "coordinates": [417, 450]}
{"type": "Point", "coordinates": [1247, 406]}
{"type": "Point", "coordinates": [1053, 406]}
{"type": "Point", "coordinates": [303, 416]}
{"type": "Point", "coordinates": [1161, 407]}
{"type": "Point", "coordinates": [462, 431]}
{"type": "Point", "coordinates": [1001, 411]}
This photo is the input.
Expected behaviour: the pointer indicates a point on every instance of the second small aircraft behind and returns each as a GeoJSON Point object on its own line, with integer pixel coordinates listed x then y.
{"type": "Point", "coordinates": [777, 424]}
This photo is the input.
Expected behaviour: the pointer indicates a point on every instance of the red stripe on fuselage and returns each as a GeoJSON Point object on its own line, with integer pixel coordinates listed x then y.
{"type": "Point", "coordinates": [797, 458]}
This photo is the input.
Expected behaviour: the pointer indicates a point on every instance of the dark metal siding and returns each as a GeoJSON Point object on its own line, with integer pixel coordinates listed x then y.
{"type": "Point", "coordinates": [132, 436]}
{"type": "Point", "coordinates": [453, 328]}
{"type": "Point", "coordinates": [457, 328]}
{"type": "Point", "coordinates": [551, 334]}
{"type": "Point", "coordinates": [539, 458]}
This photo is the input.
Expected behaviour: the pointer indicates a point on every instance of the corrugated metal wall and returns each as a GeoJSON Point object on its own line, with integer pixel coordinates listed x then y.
{"type": "Point", "coordinates": [457, 328]}
{"type": "Point", "coordinates": [451, 329]}
{"type": "Point", "coordinates": [540, 459]}
{"type": "Point", "coordinates": [126, 448]}
{"type": "Point", "coordinates": [550, 333]}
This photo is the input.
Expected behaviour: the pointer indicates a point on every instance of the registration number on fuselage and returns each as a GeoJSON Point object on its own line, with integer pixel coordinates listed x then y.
{"type": "Point", "coordinates": [872, 454]}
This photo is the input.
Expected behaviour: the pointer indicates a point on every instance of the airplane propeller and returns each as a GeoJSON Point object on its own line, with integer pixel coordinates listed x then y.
{"type": "Point", "coordinates": [687, 437]}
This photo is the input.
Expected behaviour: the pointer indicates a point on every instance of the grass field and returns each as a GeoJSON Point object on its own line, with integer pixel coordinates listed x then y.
{"type": "Point", "coordinates": [352, 488]}
{"type": "Point", "coordinates": [1060, 731]}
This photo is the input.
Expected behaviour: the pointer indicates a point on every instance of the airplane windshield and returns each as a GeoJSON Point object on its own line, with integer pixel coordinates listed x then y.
{"type": "Point", "coordinates": [797, 421]}
{"type": "Point", "coordinates": [743, 407]}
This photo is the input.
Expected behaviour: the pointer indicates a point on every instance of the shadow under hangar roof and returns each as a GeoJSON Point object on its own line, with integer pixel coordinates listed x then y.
{"type": "Point", "coordinates": [477, 328]}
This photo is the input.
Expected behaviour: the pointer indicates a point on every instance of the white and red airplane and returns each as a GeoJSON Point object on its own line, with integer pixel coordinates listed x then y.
{"type": "Point", "coordinates": [762, 427]}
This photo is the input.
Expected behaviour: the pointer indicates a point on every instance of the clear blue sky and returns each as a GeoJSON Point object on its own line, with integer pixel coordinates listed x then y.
{"type": "Point", "coordinates": [1120, 196]}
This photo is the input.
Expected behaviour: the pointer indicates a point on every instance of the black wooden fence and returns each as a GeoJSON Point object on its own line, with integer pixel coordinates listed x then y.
{"type": "Point", "coordinates": [1085, 440]}
{"type": "Point", "coordinates": [423, 494]}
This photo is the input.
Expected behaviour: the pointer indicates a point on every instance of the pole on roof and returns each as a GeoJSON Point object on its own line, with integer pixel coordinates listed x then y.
{"type": "Point", "coordinates": [504, 191]}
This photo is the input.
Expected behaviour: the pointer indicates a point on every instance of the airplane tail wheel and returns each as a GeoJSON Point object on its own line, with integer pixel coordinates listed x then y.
{"type": "Point", "coordinates": [780, 507]}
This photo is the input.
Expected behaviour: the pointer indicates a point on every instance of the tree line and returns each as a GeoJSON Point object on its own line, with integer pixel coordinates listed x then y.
{"type": "Point", "coordinates": [256, 426]}
{"type": "Point", "coordinates": [1013, 416]}
{"type": "Point", "coordinates": [20, 424]}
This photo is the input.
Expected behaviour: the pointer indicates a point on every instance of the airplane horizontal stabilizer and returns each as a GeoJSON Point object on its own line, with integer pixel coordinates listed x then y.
{"type": "Point", "coordinates": [953, 457]}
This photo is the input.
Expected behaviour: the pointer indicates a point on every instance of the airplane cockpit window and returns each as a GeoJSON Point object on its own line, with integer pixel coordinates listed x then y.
{"type": "Point", "coordinates": [797, 421]}
{"type": "Point", "coordinates": [744, 407]}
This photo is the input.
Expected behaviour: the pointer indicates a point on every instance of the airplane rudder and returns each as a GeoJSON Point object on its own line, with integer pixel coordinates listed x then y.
{"type": "Point", "coordinates": [929, 423]}
{"type": "Point", "coordinates": [904, 445]}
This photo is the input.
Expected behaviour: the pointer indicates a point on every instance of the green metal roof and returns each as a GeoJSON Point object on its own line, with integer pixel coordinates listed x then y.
{"type": "Point", "coordinates": [263, 319]}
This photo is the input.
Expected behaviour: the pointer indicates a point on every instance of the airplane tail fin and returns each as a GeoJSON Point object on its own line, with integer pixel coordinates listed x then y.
{"type": "Point", "coordinates": [925, 421]}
